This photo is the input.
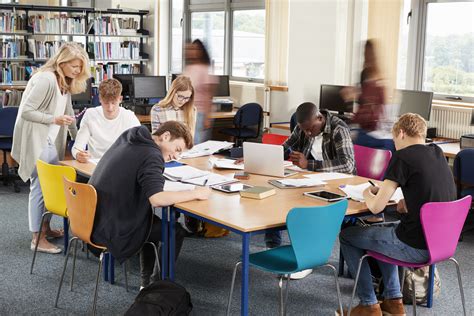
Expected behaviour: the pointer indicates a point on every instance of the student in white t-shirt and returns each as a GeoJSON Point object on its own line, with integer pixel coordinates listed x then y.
{"type": "Point", "coordinates": [102, 125]}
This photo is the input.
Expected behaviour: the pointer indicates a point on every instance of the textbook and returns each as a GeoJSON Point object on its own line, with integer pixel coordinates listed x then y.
{"type": "Point", "coordinates": [257, 192]}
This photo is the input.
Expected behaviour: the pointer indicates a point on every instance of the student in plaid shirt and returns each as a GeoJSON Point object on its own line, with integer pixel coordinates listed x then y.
{"type": "Point", "coordinates": [320, 142]}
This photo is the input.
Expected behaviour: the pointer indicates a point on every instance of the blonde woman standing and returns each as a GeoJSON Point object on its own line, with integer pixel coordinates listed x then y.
{"type": "Point", "coordinates": [178, 105]}
{"type": "Point", "coordinates": [44, 116]}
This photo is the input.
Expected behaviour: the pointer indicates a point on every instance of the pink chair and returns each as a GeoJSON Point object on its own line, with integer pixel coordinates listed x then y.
{"type": "Point", "coordinates": [274, 139]}
{"type": "Point", "coordinates": [442, 223]}
{"type": "Point", "coordinates": [371, 162]}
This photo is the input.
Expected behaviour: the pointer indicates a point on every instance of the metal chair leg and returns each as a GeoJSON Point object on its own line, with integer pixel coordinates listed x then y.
{"type": "Point", "coordinates": [286, 294]}
{"type": "Point", "coordinates": [37, 241]}
{"type": "Point", "coordinates": [125, 274]}
{"type": "Point", "coordinates": [355, 283]}
{"type": "Point", "coordinates": [336, 281]}
{"type": "Point", "coordinates": [157, 258]}
{"type": "Point", "coordinates": [64, 271]}
{"type": "Point", "coordinates": [413, 297]}
{"type": "Point", "coordinates": [97, 283]}
{"type": "Point", "coordinates": [280, 292]}
{"type": "Point", "coordinates": [73, 263]}
{"type": "Point", "coordinates": [461, 290]}
{"type": "Point", "coordinates": [232, 287]}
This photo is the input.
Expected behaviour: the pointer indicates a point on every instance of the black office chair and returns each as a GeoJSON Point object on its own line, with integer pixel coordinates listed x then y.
{"type": "Point", "coordinates": [245, 120]}
{"type": "Point", "coordinates": [7, 123]}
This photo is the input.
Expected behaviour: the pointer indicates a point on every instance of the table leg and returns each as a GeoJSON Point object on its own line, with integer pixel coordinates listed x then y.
{"type": "Point", "coordinates": [164, 243]}
{"type": "Point", "coordinates": [431, 280]}
{"type": "Point", "coordinates": [245, 274]}
{"type": "Point", "coordinates": [105, 267]}
{"type": "Point", "coordinates": [172, 242]}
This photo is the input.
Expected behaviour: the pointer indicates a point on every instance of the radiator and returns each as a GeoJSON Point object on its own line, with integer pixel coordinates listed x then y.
{"type": "Point", "coordinates": [450, 121]}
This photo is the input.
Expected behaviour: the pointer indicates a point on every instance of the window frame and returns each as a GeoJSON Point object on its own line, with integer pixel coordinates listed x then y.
{"type": "Point", "coordinates": [228, 7]}
{"type": "Point", "coordinates": [420, 46]}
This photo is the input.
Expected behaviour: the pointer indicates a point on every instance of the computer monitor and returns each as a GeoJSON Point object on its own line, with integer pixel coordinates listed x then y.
{"type": "Point", "coordinates": [330, 99]}
{"type": "Point", "coordinates": [149, 87]}
{"type": "Point", "coordinates": [84, 97]}
{"type": "Point", "coordinates": [415, 102]}
{"type": "Point", "coordinates": [126, 80]}
{"type": "Point", "coordinates": [222, 88]}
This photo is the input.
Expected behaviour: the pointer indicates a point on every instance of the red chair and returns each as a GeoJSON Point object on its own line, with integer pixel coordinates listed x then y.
{"type": "Point", "coordinates": [370, 162]}
{"type": "Point", "coordinates": [274, 139]}
{"type": "Point", "coordinates": [442, 223]}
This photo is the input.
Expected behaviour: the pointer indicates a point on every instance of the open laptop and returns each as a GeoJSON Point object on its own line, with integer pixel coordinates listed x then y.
{"type": "Point", "coordinates": [265, 159]}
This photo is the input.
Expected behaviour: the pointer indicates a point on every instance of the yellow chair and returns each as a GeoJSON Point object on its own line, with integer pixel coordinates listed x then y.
{"type": "Point", "coordinates": [51, 182]}
{"type": "Point", "coordinates": [81, 201]}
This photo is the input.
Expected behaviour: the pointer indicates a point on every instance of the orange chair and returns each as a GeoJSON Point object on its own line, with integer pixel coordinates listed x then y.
{"type": "Point", "coordinates": [274, 139]}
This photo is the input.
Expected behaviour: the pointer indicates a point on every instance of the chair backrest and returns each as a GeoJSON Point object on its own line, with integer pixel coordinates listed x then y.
{"type": "Point", "coordinates": [7, 120]}
{"type": "Point", "coordinates": [51, 182]}
{"type": "Point", "coordinates": [463, 167]}
{"type": "Point", "coordinates": [249, 114]}
{"type": "Point", "coordinates": [273, 139]}
{"type": "Point", "coordinates": [371, 162]}
{"type": "Point", "coordinates": [442, 224]}
{"type": "Point", "coordinates": [313, 231]}
{"type": "Point", "coordinates": [293, 122]}
{"type": "Point", "coordinates": [81, 200]}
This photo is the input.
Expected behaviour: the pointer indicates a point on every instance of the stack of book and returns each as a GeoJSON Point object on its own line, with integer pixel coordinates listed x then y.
{"type": "Point", "coordinates": [12, 22]}
{"type": "Point", "coordinates": [13, 48]}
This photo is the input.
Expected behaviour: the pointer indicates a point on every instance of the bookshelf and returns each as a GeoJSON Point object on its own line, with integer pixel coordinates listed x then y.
{"type": "Point", "coordinates": [114, 40]}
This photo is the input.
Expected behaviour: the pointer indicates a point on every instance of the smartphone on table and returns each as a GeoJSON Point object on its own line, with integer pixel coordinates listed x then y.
{"type": "Point", "coordinates": [231, 187]}
{"type": "Point", "coordinates": [325, 196]}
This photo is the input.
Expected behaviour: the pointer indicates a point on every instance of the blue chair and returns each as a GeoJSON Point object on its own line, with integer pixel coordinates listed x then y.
{"type": "Point", "coordinates": [247, 117]}
{"type": "Point", "coordinates": [463, 170]}
{"type": "Point", "coordinates": [7, 124]}
{"type": "Point", "coordinates": [313, 231]}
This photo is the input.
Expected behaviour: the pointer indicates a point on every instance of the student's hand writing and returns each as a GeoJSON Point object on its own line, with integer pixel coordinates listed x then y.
{"type": "Point", "coordinates": [299, 159]}
{"type": "Point", "coordinates": [202, 193]}
{"type": "Point", "coordinates": [374, 190]}
{"type": "Point", "coordinates": [82, 156]}
{"type": "Point", "coordinates": [402, 207]}
{"type": "Point", "coordinates": [239, 161]}
{"type": "Point", "coordinates": [64, 120]}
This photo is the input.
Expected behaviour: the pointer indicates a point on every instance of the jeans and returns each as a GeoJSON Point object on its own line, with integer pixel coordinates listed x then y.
{"type": "Point", "coordinates": [273, 239]}
{"type": "Point", "coordinates": [35, 199]}
{"type": "Point", "coordinates": [147, 254]}
{"type": "Point", "coordinates": [364, 139]}
{"type": "Point", "coordinates": [355, 240]}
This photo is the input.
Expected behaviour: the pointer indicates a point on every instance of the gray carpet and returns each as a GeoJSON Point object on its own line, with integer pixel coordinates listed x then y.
{"type": "Point", "coordinates": [204, 268]}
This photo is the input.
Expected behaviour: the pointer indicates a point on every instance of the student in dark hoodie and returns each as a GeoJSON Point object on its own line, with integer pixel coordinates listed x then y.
{"type": "Point", "coordinates": [129, 182]}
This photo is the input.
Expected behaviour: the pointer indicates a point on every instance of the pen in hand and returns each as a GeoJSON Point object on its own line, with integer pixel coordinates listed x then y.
{"type": "Point", "coordinates": [373, 184]}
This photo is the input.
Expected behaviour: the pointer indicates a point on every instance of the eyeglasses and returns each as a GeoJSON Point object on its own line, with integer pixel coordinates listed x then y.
{"type": "Point", "coordinates": [182, 98]}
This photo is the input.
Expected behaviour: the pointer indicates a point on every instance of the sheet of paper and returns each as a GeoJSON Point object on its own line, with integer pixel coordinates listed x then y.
{"type": "Point", "coordinates": [177, 186]}
{"type": "Point", "coordinates": [207, 148]}
{"type": "Point", "coordinates": [301, 182]}
{"type": "Point", "coordinates": [184, 172]}
{"type": "Point", "coordinates": [325, 176]}
{"type": "Point", "coordinates": [355, 192]}
{"type": "Point", "coordinates": [94, 161]}
{"type": "Point", "coordinates": [226, 164]}
{"type": "Point", "coordinates": [212, 179]}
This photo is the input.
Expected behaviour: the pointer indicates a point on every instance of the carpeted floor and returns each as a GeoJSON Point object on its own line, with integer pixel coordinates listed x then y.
{"type": "Point", "coordinates": [204, 268]}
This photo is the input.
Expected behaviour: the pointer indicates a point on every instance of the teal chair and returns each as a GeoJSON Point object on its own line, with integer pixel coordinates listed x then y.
{"type": "Point", "coordinates": [312, 231]}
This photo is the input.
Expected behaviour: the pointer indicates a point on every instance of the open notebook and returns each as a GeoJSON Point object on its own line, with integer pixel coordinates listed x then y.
{"type": "Point", "coordinates": [355, 192]}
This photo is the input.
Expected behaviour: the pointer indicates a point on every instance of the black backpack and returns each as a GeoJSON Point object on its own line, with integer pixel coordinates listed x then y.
{"type": "Point", "coordinates": [162, 298]}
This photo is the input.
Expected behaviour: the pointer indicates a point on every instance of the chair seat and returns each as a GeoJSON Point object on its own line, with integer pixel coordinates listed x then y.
{"type": "Point", "coordinates": [386, 259]}
{"type": "Point", "coordinates": [280, 260]}
{"type": "Point", "coordinates": [242, 132]}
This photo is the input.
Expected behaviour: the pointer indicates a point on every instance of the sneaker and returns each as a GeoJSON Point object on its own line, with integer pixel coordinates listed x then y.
{"type": "Point", "coordinates": [363, 310]}
{"type": "Point", "coordinates": [300, 275]}
{"type": "Point", "coordinates": [393, 307]}
{"type": "Point", "coordinates": [53, 250]}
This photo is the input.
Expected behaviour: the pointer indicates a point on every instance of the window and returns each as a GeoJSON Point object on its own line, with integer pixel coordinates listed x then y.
{"type": "Point", "coordinates": [233, 32]}
{"type": "Point", "coordinates": [209, 28]}
{"type": "Point", "coordinates": [248, 45]}
{"type": "Point", "coordinates": [445, 63]}
{"type": "Point", "coordinates": [176, 60]}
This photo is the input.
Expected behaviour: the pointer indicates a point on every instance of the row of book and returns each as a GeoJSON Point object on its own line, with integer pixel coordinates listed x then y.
{"type": "Point", "coordinates": [13, 22]}
{"type": "Point", "coordinates": [43, 49]}
{"type": "Point", "coordinates": [15, 73]}
{"type": "Point", "coordinates": [101, 72]}
{"type": "Point", "coordinates": [58, 24]}
{"type": "Point", "coordinates": [13, 48]}
{"type": "Point", "coordinates": [125, 50]}
{"type": "Point", "coordinates": [10, 98]}
{"type": "Point", "coordinates": [115, 26]}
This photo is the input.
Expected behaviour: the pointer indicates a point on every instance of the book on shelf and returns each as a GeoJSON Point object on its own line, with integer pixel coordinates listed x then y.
{"type": "Point", "coordinates": [11, 48]}
{"type": "Point", "coordinates": [43, 49]}
{"type": "Point", "coordinates": [13, 22]}
{"type": "Point", "coordinates": [57, 24]}
{"type": "Point", "coordinates": [103, 71]}
{"type": "Point", "coordinates": [257, 192]}
{"type": "Point", "coordinates": [10, 97]}
{"type": "Point", "coordinates": [12, 72]}
{"type": "Point", "coordinates": [123, 50]}
{"type": "Point", "coordinates": [107, 25]}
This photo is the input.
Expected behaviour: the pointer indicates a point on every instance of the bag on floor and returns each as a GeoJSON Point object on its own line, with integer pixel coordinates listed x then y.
{"type": "Point", "coordinates": [203, 229]}
{"type": "Point", "coordinates": [162, 298]}
{"type": "Point", "coordinates": [422, 279]}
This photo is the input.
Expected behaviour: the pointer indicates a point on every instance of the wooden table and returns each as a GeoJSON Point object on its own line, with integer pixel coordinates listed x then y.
{"type": "Point", "coordinates": [146, 119]}
{"type": "Point", "coordinates": [450, 150]}
{"type": "Point", "coordinates": [284, 126]}
{"type": "Point", "coordinates": [246, 217]}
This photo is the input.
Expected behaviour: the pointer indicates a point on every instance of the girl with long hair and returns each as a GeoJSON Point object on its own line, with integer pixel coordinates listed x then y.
{"type": "Point", "coordinates": [44, 116]}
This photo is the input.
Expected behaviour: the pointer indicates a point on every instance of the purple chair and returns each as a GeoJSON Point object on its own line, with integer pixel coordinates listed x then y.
{"type": "Point", "coordinates": [370, 162]}
{"type": "Point", "coordinates": [442, 223]}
